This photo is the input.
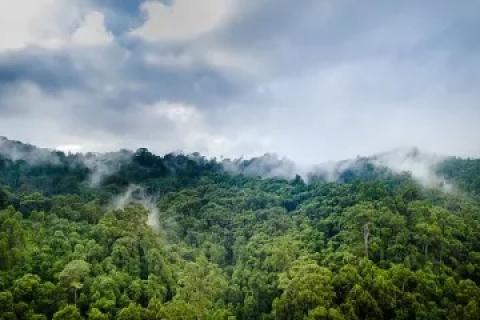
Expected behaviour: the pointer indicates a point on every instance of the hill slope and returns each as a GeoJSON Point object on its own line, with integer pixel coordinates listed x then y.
{"type": "Point", "coordinates": [131, 235]}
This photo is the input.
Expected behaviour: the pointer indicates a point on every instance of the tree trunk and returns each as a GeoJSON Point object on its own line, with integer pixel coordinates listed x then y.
{"type": "Point", "coordinates": [366, 235]}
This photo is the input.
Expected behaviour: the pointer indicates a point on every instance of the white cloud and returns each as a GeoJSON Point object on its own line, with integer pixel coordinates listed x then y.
{"type": "Point", "coordinates": [50, 24]}
{"type": "Point", "coordinates": [92, 31]}
{"type": "Point", "coordinates": [25, 22]}
{"type": "Point", "coordinates": [187, 126]}
{"type": "Point", "coordinates": [420, 165]}
{"type": "Point", "coordinates": [182, 20]}
{"type": "Point", "coordinates": [73, 148]}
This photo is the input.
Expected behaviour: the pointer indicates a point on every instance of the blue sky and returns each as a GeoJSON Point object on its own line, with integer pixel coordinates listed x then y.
{"type": "Point", "coordinates": [310, 80]}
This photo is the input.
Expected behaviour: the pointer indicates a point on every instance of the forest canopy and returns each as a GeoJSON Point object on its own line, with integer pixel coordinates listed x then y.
{"type": "Point", "coordinates": [133, 235]}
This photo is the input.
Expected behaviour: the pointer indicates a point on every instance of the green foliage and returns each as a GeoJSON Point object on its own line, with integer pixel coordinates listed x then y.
{"type": "Point", "coordinates": [68, 312]}
{"type": "Point", "coordinates": [307, 289]}
{"type": "Point", "coordinates": [465, 174]}
{"type": "Point", "coordinates": [373, 245]}
{"type": "Point", "coordinates": [73, 276]}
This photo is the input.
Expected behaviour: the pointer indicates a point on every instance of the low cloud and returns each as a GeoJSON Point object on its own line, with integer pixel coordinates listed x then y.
{"type": "Point", "coordinates": [422, 166]}
{"type": "Point", "coordinates": [266, 166]}
{"type": "Point", "coordinates": [102, 165]}
{"type": "Point", "coordinates": [137, 194]}
{"type": "Point", "coordinates": [15, 151]}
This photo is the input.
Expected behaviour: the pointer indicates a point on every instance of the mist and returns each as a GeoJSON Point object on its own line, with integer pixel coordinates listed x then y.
{"type": "Point", "coordinates": [15, 151]}
{"type": "Point", "coordinates": [102, 165]}
{"type": "Point", "coordinates": [419, 164]}
{"type": "Point", "coordinates": [269, 165]}
{"type": "Point", "coordinates": [138, 195]}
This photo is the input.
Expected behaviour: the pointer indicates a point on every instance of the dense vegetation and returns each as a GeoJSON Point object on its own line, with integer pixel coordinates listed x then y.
{"type": "Point", "coordinates": [372, 245]}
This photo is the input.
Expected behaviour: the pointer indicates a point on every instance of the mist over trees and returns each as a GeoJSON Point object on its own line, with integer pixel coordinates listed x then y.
{"type": "Point", "coordinates": [132, 235]}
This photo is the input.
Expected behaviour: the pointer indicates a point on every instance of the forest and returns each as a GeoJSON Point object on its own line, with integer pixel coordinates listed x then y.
{"type": "Point", "coordinates": [136, 236]}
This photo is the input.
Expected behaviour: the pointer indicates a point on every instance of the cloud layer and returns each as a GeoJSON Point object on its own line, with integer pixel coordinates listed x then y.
{"type": "Point", "coordinates": [316, 81]}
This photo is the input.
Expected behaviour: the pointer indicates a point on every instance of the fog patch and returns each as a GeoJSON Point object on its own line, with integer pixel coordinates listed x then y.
{"type": "Point", "coordinates": [102, 165]}
{"type": "Point", "coordinates": [16, 151]}
{"type": "Point", "coordinates": [421, 165]}
{"type": "Point", "coordinates": [137, 194]}
{"type": "Point", "coordinates": [332, 171]}
{"type": "Point", "coordinates": [270, 165]}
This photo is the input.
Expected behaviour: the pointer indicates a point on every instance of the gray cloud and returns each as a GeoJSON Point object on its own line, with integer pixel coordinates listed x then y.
{"type": "Point", "coordinates": [316, 81]}
{"type": "Point", "coordinates": [51, 71]}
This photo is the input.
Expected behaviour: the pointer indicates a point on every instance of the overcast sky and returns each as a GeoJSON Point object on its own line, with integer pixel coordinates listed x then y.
{"type": "Point", "coordinates": [313, 80]}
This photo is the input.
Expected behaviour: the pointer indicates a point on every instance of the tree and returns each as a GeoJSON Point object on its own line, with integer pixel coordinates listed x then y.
{"type": "Point", "coordinates": [73, 275]}
{"type": "Point", "coordinates": [69, 312]}
{"type": "Point", "coordinates": [12, 238]}
{"type": "Point", "coordinates": [103, 294]}
{"type": "Point", "coordinates": [306, 286]}
{"type": "Point", "coordinates": [201, 285]}
{"type": "Point", "coordinates": [361, 305]}
{"type": "Point", "coordinates": [6, 304]}
{"type": "Point", "coordinates": [323, 313]}
{"type": "Point", "coordinates": [125, 255]}
{"type": "Point", "coordinates": [95, 314]}
{"type": "Point", "coordinates": [132, 312]}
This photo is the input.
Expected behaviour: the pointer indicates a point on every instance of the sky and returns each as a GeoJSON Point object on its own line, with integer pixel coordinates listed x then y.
{"type": "Point", "coordinates": [312, 80]}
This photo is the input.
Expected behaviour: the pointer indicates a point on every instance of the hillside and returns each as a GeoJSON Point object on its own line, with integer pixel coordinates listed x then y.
{"type": "Point", "coordinates": [133, 235]}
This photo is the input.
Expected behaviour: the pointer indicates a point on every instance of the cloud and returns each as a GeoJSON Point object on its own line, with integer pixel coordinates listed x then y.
{"type": "Point", "coordinates": [49, 71]}
{"type": "Point", "coordinates": [316, 81]}
{"type": "Point", "coordinates": [420, 165]}
{"type": "Point", "coordinates": [104, 164]}
{"type": "Point", "coordinates": [43, 23]}
{"type": "Point", "coordinates": [13, 150]}
{"type": "Point", "coordinates": [51, 24]}
{"type": "Point", "coordinates": [182, 19]}
{"type": "Point", "coordinates": [266, 166]}
{"type": "Point", "coordinates": [183, 125]}
{"type": "Point", "coordinates": [20, 22]}
{"type": "Point", "coordinates": [92, 31]}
